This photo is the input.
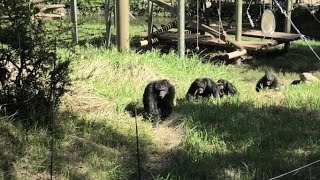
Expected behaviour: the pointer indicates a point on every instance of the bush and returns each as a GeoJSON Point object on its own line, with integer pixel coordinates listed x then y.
{"type": "Point", "coordinates": [32, 79]}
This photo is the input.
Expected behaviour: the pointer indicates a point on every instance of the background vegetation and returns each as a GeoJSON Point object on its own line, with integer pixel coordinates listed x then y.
{"type": "Point", "coordinates": [251, 136]}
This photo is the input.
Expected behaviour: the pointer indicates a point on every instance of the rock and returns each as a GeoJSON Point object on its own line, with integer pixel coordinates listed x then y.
{"type": "Point", "coordinates": [308, 78]}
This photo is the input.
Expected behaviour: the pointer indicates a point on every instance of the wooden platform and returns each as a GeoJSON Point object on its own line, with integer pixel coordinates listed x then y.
{"type": "Point", "coordinates": [46, 17]}
{"type": "Point", "coordinates": [279, 36]}
{"type": "Point", "coordinates": [209, 40]}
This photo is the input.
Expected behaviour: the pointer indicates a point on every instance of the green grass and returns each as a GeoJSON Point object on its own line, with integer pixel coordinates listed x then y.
{"type": "Point", "coordinates": [250, 136]}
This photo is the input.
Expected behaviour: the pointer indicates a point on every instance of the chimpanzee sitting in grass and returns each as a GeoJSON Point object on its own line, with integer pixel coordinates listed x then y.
{"type": "Point", "coordinates": [203, 87]}
{"type": "Point", "coordinates": [158, 100]}
{"type": "Point", "coordinates": [269, 80]}
{"type": "Point", "coordinates": [226, 88]}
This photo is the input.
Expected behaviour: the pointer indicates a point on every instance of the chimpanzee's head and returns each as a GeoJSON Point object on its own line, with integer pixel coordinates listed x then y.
{"type": "Point", "coordinates": [162, 88]}
{"type": "Point", "coordinates": [221, 84]}
{"type": "Point", "coordinates": [269, 78]}
{"type": "Point", "coordinates": [201, 85]}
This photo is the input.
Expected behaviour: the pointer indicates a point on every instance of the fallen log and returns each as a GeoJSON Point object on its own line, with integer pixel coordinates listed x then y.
{"type": "Point", "coordinates": [146, 42]}
{"type": "Point", "coordinates": [235, 54]}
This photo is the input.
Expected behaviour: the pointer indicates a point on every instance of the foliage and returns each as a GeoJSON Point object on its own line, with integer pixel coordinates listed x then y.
{"type": "Point", "coordinates": [32, 79]}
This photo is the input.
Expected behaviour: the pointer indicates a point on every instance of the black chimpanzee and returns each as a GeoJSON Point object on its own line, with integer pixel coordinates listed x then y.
{"type": "Point", "coordinates": [227, 88]}
{"type": "Point", "coordinates": [268, 80]}
{"type": "Point", "coordinates": [203, 87]}
{"type": "Point", "coordinates": [158, 100]}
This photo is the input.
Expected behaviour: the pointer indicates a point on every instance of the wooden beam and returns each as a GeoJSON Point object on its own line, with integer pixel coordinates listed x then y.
{"type": "Point", "coordinates": [38, 1]}
{"type": "Point", "coordinates": [46, 16]}
{"type": "Point", "coordinates": [74, 28]}
{"type": "Point", "coordinates": [235, 54]}
{"type": "Point", "coordinates": [166, 6]}
{"type": "Point", "coordinates": [43, 8]}
{"type": "Point", "coordinates": [147, 42]}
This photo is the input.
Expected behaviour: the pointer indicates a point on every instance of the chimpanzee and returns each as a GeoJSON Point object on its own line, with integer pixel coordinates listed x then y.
{"type": "Point", "coordinates": [158, 100]}
{"type": "Point", "coordinates": [203, 87]}
{"type": "Point", "coordinates": [268, 80]}
{"type": "Point", "coordinates": [226, 88]}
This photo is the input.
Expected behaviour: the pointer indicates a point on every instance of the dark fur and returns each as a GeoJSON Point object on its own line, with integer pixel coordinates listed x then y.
{"type": "Point", "coordinates": [156, 106]}
{"type": "Point", "coordinates": [227, 88]}
{"type": "Point", "coordinates": [268, 80]}
{"type": "Point", "coordinates": [209, 87]}
{"type": "Point", "coordinates": [295, 82]}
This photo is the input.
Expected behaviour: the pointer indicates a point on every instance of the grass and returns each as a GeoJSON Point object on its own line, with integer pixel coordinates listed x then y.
{"type": "Point", "coordinates": [250, 136]}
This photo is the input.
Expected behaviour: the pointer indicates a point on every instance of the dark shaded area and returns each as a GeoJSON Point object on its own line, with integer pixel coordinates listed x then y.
{"type": "Point", "coordinates": [304, 18]}
{"type": "Point", "coordinates": [134, 110]}
{"type": "Point", "coordinates": [277, 139]}
{"type": "Point", "coordinates": [94, 137]}
{"type": "Point", "coordinates": [299, 58]}
{"type": "Point", "coordinates": [12, 149]}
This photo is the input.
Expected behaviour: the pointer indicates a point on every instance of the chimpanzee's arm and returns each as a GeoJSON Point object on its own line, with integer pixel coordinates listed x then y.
{"type": "Point", "coordinates": [191, 92]}
{"type": "Point", "coordinates": [231, 89]}
{"type": "Point", "coordinates": [149, 101]}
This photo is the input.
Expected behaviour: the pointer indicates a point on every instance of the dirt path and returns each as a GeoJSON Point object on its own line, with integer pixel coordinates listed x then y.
{"type": "Point", "coordinates": [168, 141]}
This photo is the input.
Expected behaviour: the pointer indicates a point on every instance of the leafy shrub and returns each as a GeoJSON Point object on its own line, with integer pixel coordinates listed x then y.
{"type": "Point", "coordinates": [32, 79]}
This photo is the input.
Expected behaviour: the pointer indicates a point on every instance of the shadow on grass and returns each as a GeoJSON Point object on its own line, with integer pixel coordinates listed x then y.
{"type": "Point", "coordinates": [12, 149]}
{"type": "Point", "coordinates": [96, 149]}
{"type": "Point", "coordinates": [83, 149]}
{"type": "Point", "coordinates": [240, 141]}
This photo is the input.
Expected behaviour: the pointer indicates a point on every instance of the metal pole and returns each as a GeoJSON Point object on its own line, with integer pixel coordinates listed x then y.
{"type": "Point", "coordinates": [74, 28]}
{"type": "Point", "coordinates": [123, 24]}
{"type": "Point", "coordinates": [181, 27]}
{"type": "Point", "coordinates": [239, 20]}
{"type": "Point", "coordinates": [108, 22]}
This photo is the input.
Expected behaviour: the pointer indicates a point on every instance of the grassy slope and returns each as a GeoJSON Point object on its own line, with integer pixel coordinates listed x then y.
{"type": "Point", "coordinates": [250, 136]}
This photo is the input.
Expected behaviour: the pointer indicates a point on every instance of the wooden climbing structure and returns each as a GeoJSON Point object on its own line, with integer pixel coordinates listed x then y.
{"type": "Point", "coordinates": [46, 12]}
{"type": "Point", "coordinates": [214, 35]}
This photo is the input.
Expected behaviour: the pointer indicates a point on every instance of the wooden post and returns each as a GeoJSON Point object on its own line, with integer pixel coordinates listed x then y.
{"type": "Point", "coordinates": [115, 12]}
{"type": "Point", "coordinates": [181, 27]}
{"type": "Point", "coordinates": [74, 28]}
{"type": "Point", "coordinates": [108, 22]}
{"type": "Point", "coordinates": [287, 24]}
{"type": "Point", "coordinates": [239, 20]}
{"type": "Point", "coordinates": [123, 25]}
{"type": "Point", "coordinates": [150, 21]}
{"type": "Point", "coordinates": [287, 27]}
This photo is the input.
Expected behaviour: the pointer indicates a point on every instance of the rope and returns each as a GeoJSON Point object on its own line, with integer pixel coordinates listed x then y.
{"type": "Point", "coordinates": [295, 170]}
{"type": "Point", "coordinates": [294, 26]}
{"type": "Point", "coordinates": [249, 17]}
{"type": "Point", "coordinates": [312, 13]}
